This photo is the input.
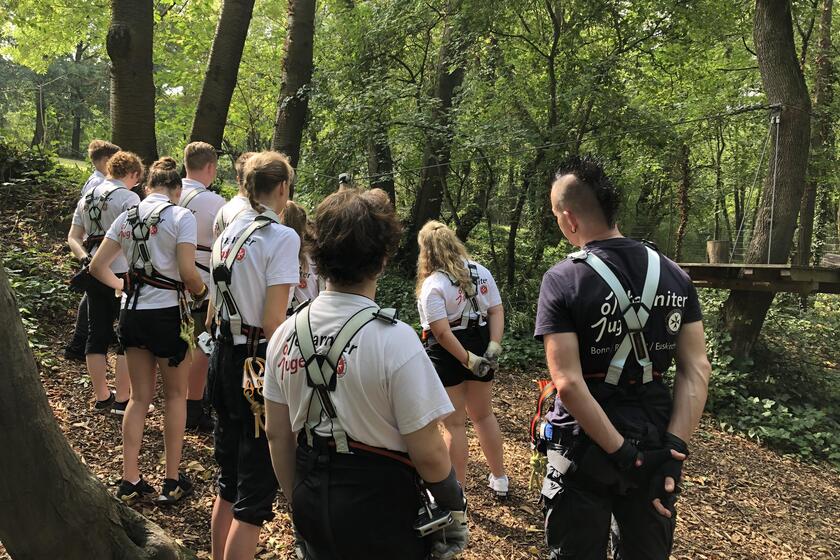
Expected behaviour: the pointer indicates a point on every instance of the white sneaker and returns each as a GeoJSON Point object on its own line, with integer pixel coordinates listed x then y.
{"type": "Point", "coordinates": [499, 486]}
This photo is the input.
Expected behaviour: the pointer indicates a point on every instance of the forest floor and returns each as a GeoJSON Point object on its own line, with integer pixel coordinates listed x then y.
{"type": "Point", "coordinates": [741, 500]}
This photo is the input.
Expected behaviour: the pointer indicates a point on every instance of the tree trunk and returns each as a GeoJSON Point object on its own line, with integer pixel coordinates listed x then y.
{"type": "Point", "coordinates": [380, 162]}
{"type": "Point", "coordinates": [129, 45]}
{"type": "Point", "coordinates": [515, 220]}
{"type": "Point", "coordinates": [682, 201]}
{"type": "Point", "coordinates": [477, 204]}
{"type": "Point", "coordinates": [78, 102]}
{"type": "Point", "coordinates": [76, 136]}
{"type": "Point", "coordinates": [438, 149]}
{"type": "Point", "coordinates": [50, 504]}
{"type": "Point", "coordinates": [38, 136]}
{"type": "Point", "coordinates": [222, 71]}
{"type": "Point", "coordinates": [293, 101]}
{"type": "Point", "coordinates": [822, 136]}
{"type": "Point", "coordinates": [744, 311]}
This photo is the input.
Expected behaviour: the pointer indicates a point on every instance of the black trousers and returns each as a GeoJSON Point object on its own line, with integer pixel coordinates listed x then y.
{"type": "Point", "coordinates": [356, 507]}
{"type": "Point", "coordinates": [80, 331]}
{"type": "Point", "coordinates": [579, 508]}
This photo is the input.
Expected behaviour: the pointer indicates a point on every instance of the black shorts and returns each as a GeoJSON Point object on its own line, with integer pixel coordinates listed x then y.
{"type": "Point", "coordinates": [246, 476]}
{"type": "Point", "coordinates": [103, 308]}
{"type": "Point", "coordinates": [155, 330]}
{"type": "Point", "coordinates": [356, 506]}
{"type": "Point", "coordinates": [449, 369]}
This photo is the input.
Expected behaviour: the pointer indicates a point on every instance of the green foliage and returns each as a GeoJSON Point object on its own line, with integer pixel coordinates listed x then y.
{"type": "Point", "coordinates": [19, 164]}
{"type": "Point", "coordinates": [787, 399]}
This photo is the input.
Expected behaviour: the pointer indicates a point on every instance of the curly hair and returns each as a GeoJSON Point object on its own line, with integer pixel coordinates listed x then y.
{"type": "Point", "coordinates": [592, 184]}
{"type": "Point", "coordinates": [164, 173]}
{"type": "Point", "coordinates": [440, 249]}
{"type": "Point", "coordinates": [354, 234]}
{"type": "Point", "coordinates": [294, 216]}
{"type": "Point", "coordinates": [263, 173]}
{"type": "Point", "coordinates": [123, 164]}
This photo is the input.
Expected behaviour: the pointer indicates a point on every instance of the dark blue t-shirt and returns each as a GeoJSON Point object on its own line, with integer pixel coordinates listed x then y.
{"type": "Point", "coordinates": [574, 298]}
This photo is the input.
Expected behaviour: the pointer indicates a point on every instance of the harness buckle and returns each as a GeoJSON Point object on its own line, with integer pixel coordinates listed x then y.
{"type": "Point", "coordinates": [637, 339]}
{"type": "Point", "coordinates": [579, 256]}
{"type": "Point", "coordinates": [222, 274]}
{"type": "Point", "coordinates": [390, 315]}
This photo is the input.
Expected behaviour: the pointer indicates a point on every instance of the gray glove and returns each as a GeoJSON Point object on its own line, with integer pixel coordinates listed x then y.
{"type": "Point", "coordinates": [450, 542]}
{"type": "Point", "coordinates": [477, 364]}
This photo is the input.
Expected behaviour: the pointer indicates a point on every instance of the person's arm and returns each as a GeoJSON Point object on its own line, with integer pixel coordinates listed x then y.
{"type": "Point", "coordinates": [76, 240]}
{"type": "Point", "coordinates": [274, 310]}
{"type": "Point", "coordinates": [445, 337]}
{"type": "Point", "coordinates": [428, 453]}
{"type": "Point", "coordinates": [691, 383]}
{"type": "Point", "coordinates": [187, 270]}
{"type": "Point", "coordinates": [563, 359]}
{"type": "Point", "coordinates": [496, 322]}
{"type": "Point", "coordinates": [100, 266]}
{"type": "Point", "coordinates": [211, 316]}
{"type": "Point", "coordinates": [282, 444]}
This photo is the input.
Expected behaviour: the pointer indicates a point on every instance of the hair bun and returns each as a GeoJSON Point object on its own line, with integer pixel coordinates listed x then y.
{"type": "Point", "coordinates": [166, 163]}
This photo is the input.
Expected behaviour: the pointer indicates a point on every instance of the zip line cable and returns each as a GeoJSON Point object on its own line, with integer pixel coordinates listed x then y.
{"type": "Point", "coordinates": [750, 191]}
{"type": "Point", "coordinates": [778, 118]}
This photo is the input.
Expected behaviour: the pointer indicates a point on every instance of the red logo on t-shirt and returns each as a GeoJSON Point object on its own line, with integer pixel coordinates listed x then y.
{"type": "Point", "coordinates": [241, 254]}
{"type": "Point", "coordinates": [153, 230]}
{"type": "Point", "coordinates": [341, 367]}
{"type": "Point", "coordinates": [302, 284]}
{"type": "Point", "coordinates": [483, 290]}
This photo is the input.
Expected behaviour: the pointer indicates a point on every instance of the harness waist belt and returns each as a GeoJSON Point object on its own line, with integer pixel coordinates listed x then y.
{"type": "Point", "coordinates": [138, 276]}
{"type": "Point", "coordinates": [321, 443]}
{"type": "Point", "coordinates": [92, 241]}
{"type": "Point", "coordinates": [602, 376]}
{"type": "Point", "coordinates": [429, 338]}
{"type": "Point", "coordinates": [248, 331]}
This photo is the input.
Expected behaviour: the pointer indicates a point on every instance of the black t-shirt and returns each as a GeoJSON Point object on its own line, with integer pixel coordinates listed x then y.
{"type": "Point", "coordinates": [574, 298]}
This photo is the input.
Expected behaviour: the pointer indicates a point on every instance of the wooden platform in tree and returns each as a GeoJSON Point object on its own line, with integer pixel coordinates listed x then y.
{"type": "Point", "coordinates": [765, 277]}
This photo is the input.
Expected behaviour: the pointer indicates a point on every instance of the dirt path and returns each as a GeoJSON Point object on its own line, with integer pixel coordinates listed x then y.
{"type": "Point", "coordinates": [741, 501]}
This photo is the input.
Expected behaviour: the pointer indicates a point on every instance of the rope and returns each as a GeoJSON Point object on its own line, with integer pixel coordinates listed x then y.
{"type": "Point", "coordinates": [778, 120]}
{"type": "Point", "coordinates": [749, 192]}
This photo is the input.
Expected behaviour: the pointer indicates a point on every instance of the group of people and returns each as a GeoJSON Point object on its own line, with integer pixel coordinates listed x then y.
{"type": "Point", "coordinates": [251, 308]}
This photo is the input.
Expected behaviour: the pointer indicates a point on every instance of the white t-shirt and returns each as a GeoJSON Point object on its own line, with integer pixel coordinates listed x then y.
{"type": "Point", "coordinates": [308, 287]}
{"type": "Point", "coordinates": [120, 200]}
{"type": "Point", "coordinates": [177, 225]}
{"type": "Point", "coordinates": [386, 385]}
{"type": "Point", "coordinates": [204, 206]}
{"type": "Point", "coordinates": [229, 212]}
{"type": "Point", "coordinates": [94, 180]}
{"type": "Point", "coordinates": [268, 258]}
{"type": "Point", "coordinates": [441, 299]}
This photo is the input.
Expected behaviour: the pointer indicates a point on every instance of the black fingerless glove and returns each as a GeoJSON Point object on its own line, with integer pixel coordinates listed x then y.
{"type": "Point", "coordinates": [670, 467]}
{"type": "Point", "coordinates": [625, 457]}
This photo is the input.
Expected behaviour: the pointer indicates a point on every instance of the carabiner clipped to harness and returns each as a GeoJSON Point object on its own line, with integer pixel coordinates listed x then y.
{"type": "Point", "coordinates": [253, 378]}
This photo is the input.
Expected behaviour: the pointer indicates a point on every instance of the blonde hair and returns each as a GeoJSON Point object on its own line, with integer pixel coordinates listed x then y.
{"type": "Point", "coordinates": [294, 216]}
{"type": "Point", "coordinates": [440, 249]}
{"type": "Point", "coordinates": [198, 154]}
{"type": "Point", "coordinates": [264, 171]}
{"type": "Point", "coordinates": [239, 167]}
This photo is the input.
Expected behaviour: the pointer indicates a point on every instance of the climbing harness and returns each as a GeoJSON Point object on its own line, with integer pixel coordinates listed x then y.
{"type": "Point", "coordinates": [253, 370]}
{"type": "Point", "coordinates": [93, 206]}
{"type": "Point", "coordinates": [635, 315]}
{"type": "Point", "coordinates": [466, 321]}
{"type": "Point", "coordinates": [322, 368]}
{"type": "Point", "coordinates": [142, 270]}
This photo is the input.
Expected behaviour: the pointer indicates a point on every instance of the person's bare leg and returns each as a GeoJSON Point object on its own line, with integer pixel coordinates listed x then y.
{"type": "Point", "coordinates": [455, 434]}
{"type": "Point", "coordinates": [242, 541]}
{"type": "Point", "coordinates": [198, 375]}
{"type": "Point", "coordinates": [220, 527]}
{"type": "Point", "coordinates": [97, 366]}
{"type": "Point", "coordinates": [174, 414]}
{"type": "Point", "coordinates": [143, 373]}
{"type": "Point", "coordinates": [480, 410]}
{"type": "Point", "coordinates": [122, 382]}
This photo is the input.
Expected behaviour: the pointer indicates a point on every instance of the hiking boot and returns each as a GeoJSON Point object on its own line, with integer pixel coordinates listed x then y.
{"type": "Point", "coordinates": [105, 406]}
{"type": "Point", "coordinates": [499, 486]}
{"type": "Point", "coordinates": [129, 493]}
{"type": "Point", "coordinates": [175, 490]}
{"type": "Point", "coordinates": [119, 407]}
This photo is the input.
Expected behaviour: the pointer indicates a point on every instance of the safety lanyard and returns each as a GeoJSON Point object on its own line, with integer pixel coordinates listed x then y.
{"type": "Point", "coordinates": [321, 368]}
{"type": "Point", "coordinates": [223, 269]}
{"type": "Point", "coordinates": [635, 316]}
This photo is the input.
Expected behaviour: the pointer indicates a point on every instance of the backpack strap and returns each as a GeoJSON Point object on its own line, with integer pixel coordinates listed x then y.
{"type": "Point", "coordinates": [635, 316]}
{"type": "Point", "coordinates": [185, 201]}
{"type": "Point", "coordinates": [222, 269]}
{"type": "Point", "coordinates": [321, 368]}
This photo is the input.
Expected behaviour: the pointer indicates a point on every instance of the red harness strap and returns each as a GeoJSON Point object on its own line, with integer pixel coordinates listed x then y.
{"type": "Point", "coordinates": [377, 451]}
